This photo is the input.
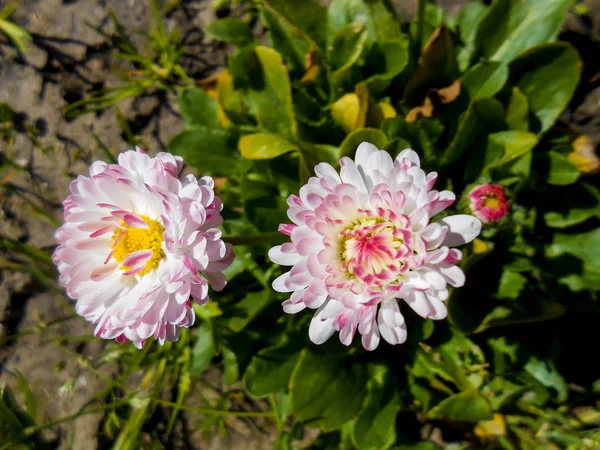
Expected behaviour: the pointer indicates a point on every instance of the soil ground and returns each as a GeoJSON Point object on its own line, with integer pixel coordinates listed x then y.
{"type": "Point", "coordinates": [67, 60]}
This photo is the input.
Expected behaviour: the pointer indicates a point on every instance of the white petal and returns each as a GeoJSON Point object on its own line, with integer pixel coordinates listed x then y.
{"type": "Point", "coordinates": [284, 255]}
{"type": "Point", "coordinates": [462, 229]}
{"type": "Point", "coordinates": [320, 329]}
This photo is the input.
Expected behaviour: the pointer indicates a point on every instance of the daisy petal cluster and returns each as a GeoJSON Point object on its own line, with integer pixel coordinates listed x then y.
{"type": "Point", "coordinates": [362, 239]}
{"type": "Point", "coordinates": [137, 244]}
{"type": "Point", "coordinates": [488, 202]}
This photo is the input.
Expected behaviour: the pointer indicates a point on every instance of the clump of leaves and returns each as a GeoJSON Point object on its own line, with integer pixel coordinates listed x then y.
{"type": "Point", "coordinates": [470, 94]}
{"type": "Point", "coordinates": [159, 70]}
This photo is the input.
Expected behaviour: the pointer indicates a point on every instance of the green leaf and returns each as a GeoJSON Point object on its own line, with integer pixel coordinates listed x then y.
{"type": "Point", "coordinates": [198, 108]}
{"type": "Point", "coordinates": [231, 371]}
{"type": "Point", "coordinates": [583, 246]}
{"type": "Point", "coordinates": [246, 309]}
{"type": "Point", "coordinates": [548, 376]}
{"type": "Point", "coordinates": [353, 140]}
{"type": "Point", "coordinates": [420, 136]}
{"type": "Point", "coordinates": [264, 146]}
{"type": "Point", "coordinates": [327, 392]}
{"type": "Point", "coordinates": [511, 285]}
{"type": "Point", "coordinates": [375, 426]}
{"type": "Point", "coordinates": [534, 310]}
{"type": "Point", "coordinates": [517, 111]}
{"type": "Point", "coordinates": [561, 170]}
{"type": "Point", "coordinates": [346, 49]}
{"type": "Point", "coordinates": [16, 34]}
{"type": "Point", "coordinates": [547, 68]}
{"type": "Point", "coordinates": [485, 79]}
{"type": "Point", "coordinates": [510, 27]}
{"type": "Point", "coordinates": [437, 67]}
{"type": "Point", "coordinates": [381, 21]}
{"type": "Point", "coordinates": [307, 15]}
{"type": "Point", "coordinates": [229, 29]}
{"type": "Point", "coordinates": [209, 150]}
{"type": "Point", "coordinates": [464, 406]}
{"type": "Point", "coordinates": [467, 21]}
{"type": "Point", "coordinates": [503, 148]}
{"type": "Point", "coordinates": [204, 348]}
{"type": "Point", "coordinates": [270, 369]}
{"type": "Point", "coordinates": [7, 114]}
{"type": "Point", "coordinates": [387, 59]}
{"type": "Point", "coordinates": [483, 116]}
{"type": "Point", "coordinates": [271, 96]}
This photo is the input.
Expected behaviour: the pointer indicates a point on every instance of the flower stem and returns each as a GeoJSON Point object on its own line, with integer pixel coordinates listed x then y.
{"type": "Point", "coordinates": [420, 26]}
{"type": "Point", "coordinates": [215, 412]}
{"type": "Point", "coordinates": [274, 238]}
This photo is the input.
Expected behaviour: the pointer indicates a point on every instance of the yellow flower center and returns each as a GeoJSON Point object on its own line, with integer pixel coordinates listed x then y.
{"type": "Point", "coordinates": [130, 239]}
{"type": "Point", "coordinates": [491, 202]}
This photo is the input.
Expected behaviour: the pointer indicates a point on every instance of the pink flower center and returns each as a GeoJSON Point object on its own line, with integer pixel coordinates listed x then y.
{"type": "Point", "coordinates": [372, 251]}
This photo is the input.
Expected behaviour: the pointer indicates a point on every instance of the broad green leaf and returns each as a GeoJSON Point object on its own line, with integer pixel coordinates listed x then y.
{"type": "Point", "coordinates": [230, 100]}
{"type": "Point", "coordinates": [503, 148]}
{"type": "Point", "coordinates": [209, 150]}
{"type": "Point", "coordinates": [272, 95]}
{"type": "Point", "coordinates": [353, 140]}
{"type": "Point", "coordinates": [264, 146]}
{"type": "Point", "coordinates": [381, 21]}
{"type": "Point", "coordinates": [307, 15]}
{"type": "Point", "coordinates": [437, 67]}
{"type": "Point", "coordinates": [573, 217]}
{"type": "Point", "coordinates": [326, 391]}
{"type": "Point", "coordinates": [511, 285]}
{"type": "Point", "coordinates": [547, 68]}
{"type": "Point", "coordinates": [229, 29]}
{"type": "Point", "coordinates": [561, 170]}
{"type": "Point", "coordinates": [510, 27]}
{"type": "Point", "coordinates": [583, 246]}
{"type": "Point", "coordinates": [270, 369]}
{"type": "Point", "coordinates": [387, 59]}
{"type": "Point", "coordinates": [350, 110]}
{"type": "Point", "coordinates": [198, 108]}
{"type": "Point", "coordinates": [204, 348]}
{"type": "Point", "coordinates": [547, 375]}
{"type": "Point", "coordinates": [484, 79]}
{"type": "Point", "coordinates": [424, 445]}
{"type": "Point", "coordinates": [346, 49]}
{"type": "Point", "coordinates": [483, 116]}
{"type": "Point", "coordinates": [246, 309]}
{"type": "Point", "coordinates": [467, 21]}
{"type": "Point", "coordinates": [11, 426]}
{"type": "Point", "coordinates": [375, 426]}
{"type": "Point", "coordinates": [583, 207]}
{"type": "Point", "coordinates": [464, 406]}
{"type": "Point", "coordinates": [517, 111]}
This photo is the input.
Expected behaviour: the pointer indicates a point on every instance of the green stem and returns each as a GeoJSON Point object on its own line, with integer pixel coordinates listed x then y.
{"type": "Point", "coordinates": [215, 412]}
{"type": "Point", "coordinates": [274, 238]}
{"type": "Point", "coordinates": [33, 429]}
{"type": "Point", "coordinates": [420, 26]}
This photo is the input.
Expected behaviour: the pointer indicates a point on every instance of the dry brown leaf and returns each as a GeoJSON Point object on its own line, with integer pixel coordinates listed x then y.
{"type": "Point", "coordinates": [434, 100]}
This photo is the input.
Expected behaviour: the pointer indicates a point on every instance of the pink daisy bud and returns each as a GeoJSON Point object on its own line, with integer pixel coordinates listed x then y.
{"type": "Point", "coordinates": [137, 243]}
{"type": "Point", "coordinates": [488, 202]}
{"type": "Point", "coordinates": [363, 239]}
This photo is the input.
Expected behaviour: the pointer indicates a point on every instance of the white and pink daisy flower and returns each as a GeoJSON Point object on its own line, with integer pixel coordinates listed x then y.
{"type": "Point", "coordinates": [488, 202]}
{"type": "Point", "coordinates": [363, 239]}
{"type": "Point", "coordinates": [137, 244]}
